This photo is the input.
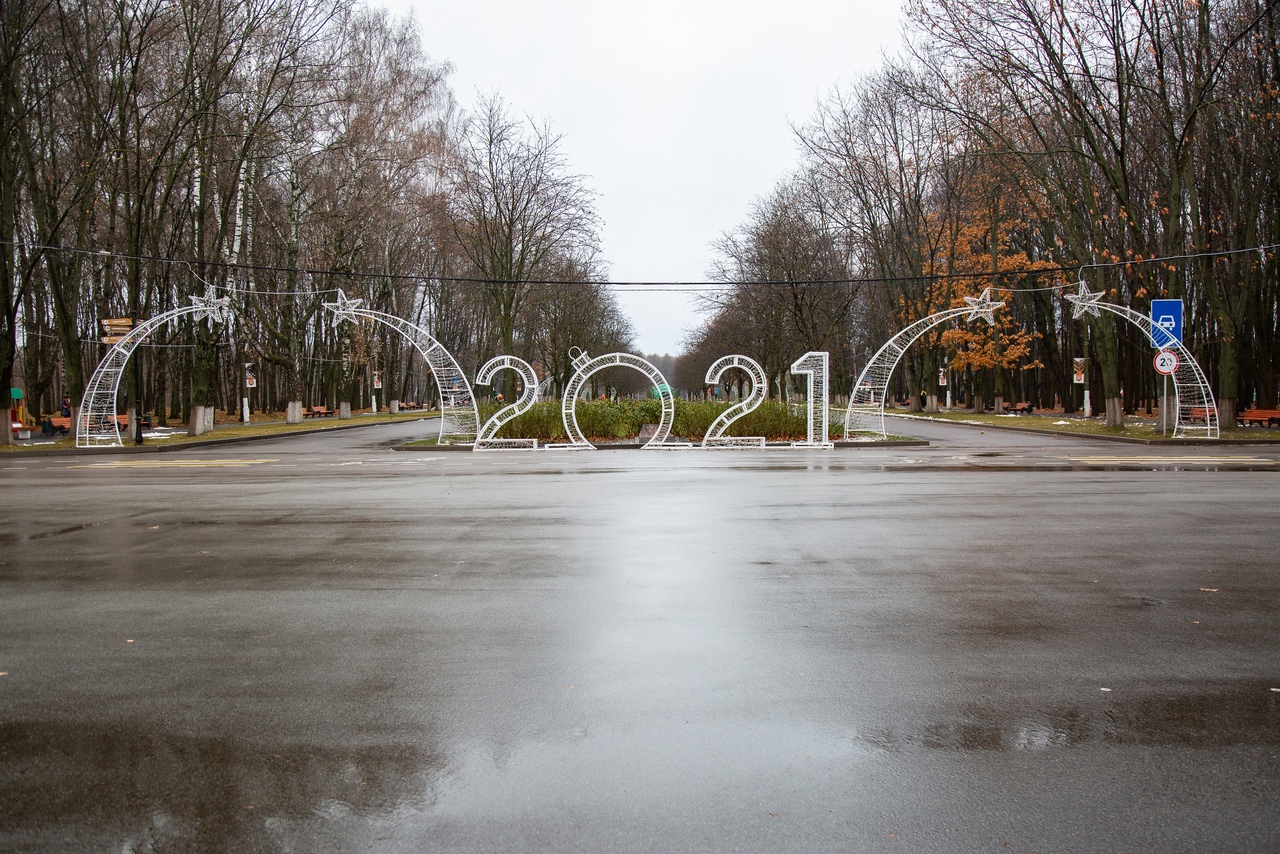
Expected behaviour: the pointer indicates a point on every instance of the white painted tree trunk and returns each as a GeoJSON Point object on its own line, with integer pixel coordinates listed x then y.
{"type": "Point", "coordinates": [201, 420]}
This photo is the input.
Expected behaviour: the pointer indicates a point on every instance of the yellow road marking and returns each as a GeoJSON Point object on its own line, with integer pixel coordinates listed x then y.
{"type": "Point", "coordinates": [170, 464]}
{"type": "Point", "coordinates": [1153, 460]}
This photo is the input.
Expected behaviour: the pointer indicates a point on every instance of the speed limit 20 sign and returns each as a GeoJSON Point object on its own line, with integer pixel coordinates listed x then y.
{"type": "Point", "coordinates": [1166, 362]}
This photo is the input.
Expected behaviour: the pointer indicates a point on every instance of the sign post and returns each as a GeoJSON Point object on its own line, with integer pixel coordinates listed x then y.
{"type": "Point", "coordinates": [250, 382]}
{"type": "Point", "coordinates": [115, 330]}
{"type": "Point", "coordinates": [1166, 362]}
{"type": "Point", "coordinates": [1077, 378]}
{"type": "Point", "coordinates": [1166, 323]}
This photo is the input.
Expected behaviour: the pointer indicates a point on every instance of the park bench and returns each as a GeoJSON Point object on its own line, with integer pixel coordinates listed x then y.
{"type": "Point", "coordinates": [57, 424]}
{"type": "Point", "coordinates": [1199, 413]}
{"type": "Point", "coordinates": [1258, 417]}
{"type": "Point", "coordinates": [1023, 408]}
{"type": "Point", "coordinates": [318, 412]}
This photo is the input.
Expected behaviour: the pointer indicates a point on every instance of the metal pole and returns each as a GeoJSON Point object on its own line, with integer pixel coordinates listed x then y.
{"type": "Point", "coordinates": [137, 395]}
{"type": "Point", "coordinates": [1164, 407]}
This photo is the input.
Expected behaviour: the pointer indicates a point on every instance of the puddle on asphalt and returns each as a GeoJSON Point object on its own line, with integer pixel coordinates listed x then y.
{"type": "Point", "coordinates": [1243, 715]}
{"type": "Point", "coordinates": [98, 786]}
{"type": "Point", "coordinates": [94, 787]}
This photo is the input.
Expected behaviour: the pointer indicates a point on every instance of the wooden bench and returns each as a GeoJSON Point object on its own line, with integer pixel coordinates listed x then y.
{"type": "Point", "coordinates": [318, 412]}
{"type": "Point", "coordinates": [1199, 413]}
{"type": "Point", "coordinates": [1258, 417]}
{"type": "Point", "coordinates": [1023, 408]}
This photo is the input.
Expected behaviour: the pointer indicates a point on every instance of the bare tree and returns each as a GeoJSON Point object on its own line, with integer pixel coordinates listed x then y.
{"type": "Point", "coordinates": [516, 210]}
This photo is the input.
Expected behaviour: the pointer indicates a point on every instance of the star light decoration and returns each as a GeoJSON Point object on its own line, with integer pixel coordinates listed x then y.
{"type": "Point", "coordinates": [216, 309]}
{"type": "Point", "coordinates": [982, 306]}
{"type": "Point", "coordinates": [1084, 302]}
{"type": "Point", "coordinates": [343, 308]}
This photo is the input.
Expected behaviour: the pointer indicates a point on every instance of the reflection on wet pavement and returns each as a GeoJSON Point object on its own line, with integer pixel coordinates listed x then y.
{"type": "Point", "coordinates": [92, 787]}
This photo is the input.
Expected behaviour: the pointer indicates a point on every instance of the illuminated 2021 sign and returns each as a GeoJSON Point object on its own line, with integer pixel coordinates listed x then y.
{"type": "Point", "coordinates": [814, 365]}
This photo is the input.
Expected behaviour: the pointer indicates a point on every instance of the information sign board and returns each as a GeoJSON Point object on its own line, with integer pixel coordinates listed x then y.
{"type": "Point", "coordinates": [1166, 317]}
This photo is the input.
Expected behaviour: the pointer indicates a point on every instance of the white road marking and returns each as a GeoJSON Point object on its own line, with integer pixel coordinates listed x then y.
{"type": "Point", "coordinates": [170, 464]}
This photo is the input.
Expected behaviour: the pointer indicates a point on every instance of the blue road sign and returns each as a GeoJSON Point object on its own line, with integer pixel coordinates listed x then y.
{"type": "Point", "coordinates": [1166, 317]}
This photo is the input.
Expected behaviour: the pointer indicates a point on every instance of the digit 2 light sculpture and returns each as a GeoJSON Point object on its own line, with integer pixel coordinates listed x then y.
{"type": "Point", "coordinates": [485, 440]}
{"type": "Point", "coordinates": [715, 437]}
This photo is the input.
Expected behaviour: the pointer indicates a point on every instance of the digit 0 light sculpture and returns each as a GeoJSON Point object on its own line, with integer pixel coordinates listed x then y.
{"type": "Point", "coordinates": [459, 420]}
{"type": "Point", "coordinates": [1197, 409]}
{"type": "Point", "coordinates": [583, 367]}
{"type": "Point", "coordinates": [97, 425]}
{"type": "Point", "coordinates": [866, 404]}
{"type": "Point", "coordinates": [485, 440]}
{"type": "Point", "coordinates": [715, 437]}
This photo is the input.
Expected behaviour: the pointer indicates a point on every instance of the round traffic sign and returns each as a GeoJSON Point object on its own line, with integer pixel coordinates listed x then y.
{"type": "Point", "coordinates": [1166, 362]}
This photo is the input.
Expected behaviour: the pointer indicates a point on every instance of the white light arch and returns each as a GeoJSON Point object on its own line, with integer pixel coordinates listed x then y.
{"type": "Point", "coordinates": [1193, 393]}
{"type": "Point", "coordinates": [457, 404]}
{"type": "Point", "coordinates": [866, 404]}
{"type": "Point", "coordinates": [583, 367]}
{"type": "Point", "coordinates": [96, 425]}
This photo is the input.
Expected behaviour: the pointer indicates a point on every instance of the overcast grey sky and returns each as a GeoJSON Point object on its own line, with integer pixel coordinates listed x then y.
{"type": "Point", "coordinates": [678, 113]}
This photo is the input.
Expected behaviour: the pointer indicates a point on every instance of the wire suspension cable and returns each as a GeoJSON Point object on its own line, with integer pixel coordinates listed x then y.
{"type": "Point", "coordinates": [636, 286]}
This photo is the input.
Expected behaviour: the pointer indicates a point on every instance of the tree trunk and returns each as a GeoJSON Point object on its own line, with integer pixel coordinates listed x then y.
{"type": "Point", "coordinates": [1228, 381]}
{"type": "Point", "coordinates": [1107, 360]}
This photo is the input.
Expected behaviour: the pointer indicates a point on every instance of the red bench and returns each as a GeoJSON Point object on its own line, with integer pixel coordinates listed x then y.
{"type": "Point", "coordinates": [318, 412]}
{"type": "Point", "coordinates": [1258, 417]}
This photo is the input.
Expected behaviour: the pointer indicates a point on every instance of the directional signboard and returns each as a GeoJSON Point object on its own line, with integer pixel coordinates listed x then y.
{"type": "Point", "coordinates": [1166, 317]}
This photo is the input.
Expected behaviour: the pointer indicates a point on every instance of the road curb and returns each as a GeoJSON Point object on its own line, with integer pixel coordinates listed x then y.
{"type": "Point", "coordinates": [1128, 440]}
{"type": "Point", "coordinates": [189, 446]}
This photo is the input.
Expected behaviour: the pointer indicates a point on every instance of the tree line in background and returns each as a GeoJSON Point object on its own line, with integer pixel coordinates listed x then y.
{"type": "Point", "coordinates": [273, 151]}
{"type": "Point", "coordinates": [1027, 145]}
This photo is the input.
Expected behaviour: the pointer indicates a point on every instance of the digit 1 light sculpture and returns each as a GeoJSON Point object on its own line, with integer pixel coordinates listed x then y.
{"type": "Point", "coordinates": [816, 365]}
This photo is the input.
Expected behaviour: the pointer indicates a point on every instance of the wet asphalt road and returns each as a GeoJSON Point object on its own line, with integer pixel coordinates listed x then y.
{"type": "Point", "coordinates": [1000, 642]}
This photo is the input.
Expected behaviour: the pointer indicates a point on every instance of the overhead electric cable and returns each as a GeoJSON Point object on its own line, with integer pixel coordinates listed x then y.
{"type": "Point", "coordinates": [636, 286]}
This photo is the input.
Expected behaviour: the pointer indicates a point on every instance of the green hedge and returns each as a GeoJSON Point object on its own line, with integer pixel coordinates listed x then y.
{"type": "Point", "coordinates": [607, 420]}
